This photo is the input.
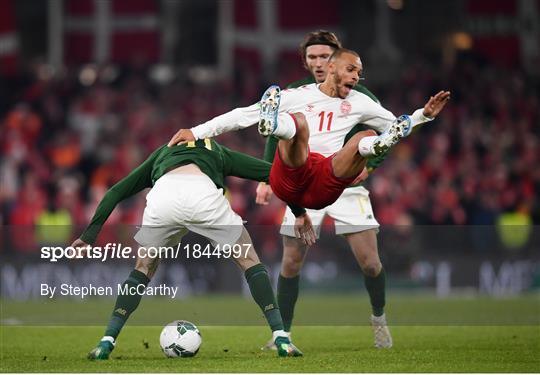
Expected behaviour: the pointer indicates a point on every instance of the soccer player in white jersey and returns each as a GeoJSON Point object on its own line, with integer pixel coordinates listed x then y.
{"type": "Point", "coordinates": [317, 179]}
{"type": "Point", "coordinates": [321, 114]}
{"type": "Point", "coordinates": [352, 212]}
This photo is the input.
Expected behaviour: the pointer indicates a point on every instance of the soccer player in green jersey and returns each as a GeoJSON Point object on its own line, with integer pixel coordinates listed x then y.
{"type": "Point", "coordinates": [352, 212]}
{"type": "Point", "coordinates": [186, 194]}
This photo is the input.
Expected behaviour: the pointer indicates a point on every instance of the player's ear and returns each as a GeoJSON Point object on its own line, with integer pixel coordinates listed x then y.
{"type": "Point", "coordinates": [332, 66]}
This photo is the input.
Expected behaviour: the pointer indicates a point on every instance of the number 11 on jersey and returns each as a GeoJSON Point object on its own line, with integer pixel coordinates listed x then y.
{"type": "Point", "coordinates": [329, 120]}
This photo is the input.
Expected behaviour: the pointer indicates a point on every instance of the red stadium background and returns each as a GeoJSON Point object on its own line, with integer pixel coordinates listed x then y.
{"type": "Point", "coordinates": [89, 88]}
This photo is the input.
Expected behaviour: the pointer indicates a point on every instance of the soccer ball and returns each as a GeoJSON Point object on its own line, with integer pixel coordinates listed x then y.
{"type": "Point", "coordinates": [180, 339]}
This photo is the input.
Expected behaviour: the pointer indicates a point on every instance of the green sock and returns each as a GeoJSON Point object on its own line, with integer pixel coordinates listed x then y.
{"type": "Point", "coordinates": [126, 304]}
{"type": "Point", "coordinates": [287, 294]}
{"type": "Point", "coordinates": [376, 289]}
{"type": "Point", "coordinates": [261, 290]}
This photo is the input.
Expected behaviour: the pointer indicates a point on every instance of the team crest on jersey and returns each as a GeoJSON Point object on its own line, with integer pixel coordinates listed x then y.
{"type": "Point", "coordinates": [309, 108]}
{"type": "Point", "coordinates": [345, 107]}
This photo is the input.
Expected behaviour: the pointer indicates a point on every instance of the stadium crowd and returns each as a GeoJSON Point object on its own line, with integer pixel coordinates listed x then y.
{"type": "Point", "coordinates": [66, 140]}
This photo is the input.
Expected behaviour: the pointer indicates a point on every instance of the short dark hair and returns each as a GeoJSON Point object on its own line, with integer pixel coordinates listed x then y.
{"type": "Point", "coordinates": [340, 51]}
{"type": "Point", "coordinates": [324, 37]}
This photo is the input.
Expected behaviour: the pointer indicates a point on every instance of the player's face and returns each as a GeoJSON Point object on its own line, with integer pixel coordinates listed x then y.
{"type": "Point", "coordinates": [346, 70]}
{"type": "Point", "coordinates": [317, 57]}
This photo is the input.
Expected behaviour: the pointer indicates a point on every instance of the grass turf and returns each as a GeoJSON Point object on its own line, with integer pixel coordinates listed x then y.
{"type": "Point", "coordinates": [430, 335]}
{"type": "Point", "coordinates": [236, 349]}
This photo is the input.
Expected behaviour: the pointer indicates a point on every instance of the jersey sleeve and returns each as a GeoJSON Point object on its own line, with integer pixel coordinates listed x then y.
{"type": "Point", "coordinates": [374, 115]}
{"type": "Point", "coordinates": [291, 97]}
{"type": "Point", "coordinates": [270, 148]}
{"type": "Point", "coordinates": [140, 178]}
{"type": "Point", "coordinates": [236, 119]}
{"type": "Point", "coordinates": [239, 118]}
{"type": "Point", "coordinates": [244, 166]}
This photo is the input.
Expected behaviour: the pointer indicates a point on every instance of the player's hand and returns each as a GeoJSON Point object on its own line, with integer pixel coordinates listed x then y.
{"type": "Point", "coordinates": [81, 246]}
{"type": "Point", "coordinates": [264, 193]}
{"type": "Point", "coordinates": [182, 136]}
{"type": "Point", "coordinates": [303, 229]}
{"type": "Point", "coordinates": [361, 177]}
{"type": "Point", "coordinates": [436, 103]}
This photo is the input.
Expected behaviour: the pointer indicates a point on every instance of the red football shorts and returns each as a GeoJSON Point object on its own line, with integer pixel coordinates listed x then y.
{"type": "Point", "coordinates": [313, 185]}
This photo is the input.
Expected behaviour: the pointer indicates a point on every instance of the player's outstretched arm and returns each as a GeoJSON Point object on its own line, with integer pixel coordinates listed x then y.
{"type": "Point", "coordinates": [139, 179]}
{"type": "Point", "coordinates": [380, 119]}
{"type": "Point", "coordinates": [236, 119]}
{"type": "Point", "coordinates": [431, 109]}
{"type": "Point", "coordinates": [245, 166]}
{"type": "Point", "coordinates": [436, 104]}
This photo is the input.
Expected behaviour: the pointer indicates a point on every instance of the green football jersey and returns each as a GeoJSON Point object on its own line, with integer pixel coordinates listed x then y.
{"type": "Point", "coordinates": [214, 160]}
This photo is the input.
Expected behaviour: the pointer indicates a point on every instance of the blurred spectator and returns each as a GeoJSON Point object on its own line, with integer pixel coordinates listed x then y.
{"type": "Point", "coordinates": [473, 166]}
{"type": "Point", "coordinates": [54, 222]}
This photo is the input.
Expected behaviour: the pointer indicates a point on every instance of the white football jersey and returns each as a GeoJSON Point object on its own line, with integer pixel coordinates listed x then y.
{"type": "Point", "coordinates": [329, 119]}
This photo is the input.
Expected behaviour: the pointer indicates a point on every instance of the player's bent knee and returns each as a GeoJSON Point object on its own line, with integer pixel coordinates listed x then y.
{"type": "Point", "coordinates": [302, 127]}
{"type": "Point", "coordinates": [300, 118]}
{"type": "Point", "coordinates": [246, 262]}
{"type": "Point", "coordinates": [293, 259]}
{"type": "Point", "coordinates": [372, 269]}
{"type": "Point", "coordinates": [147, 265]}
{"type": "Point", "coordinates": [249, 258]}
{"type": "Point", "coordinates": [365, 133]}
{"type": "Point", "coordinates": [291, 268]}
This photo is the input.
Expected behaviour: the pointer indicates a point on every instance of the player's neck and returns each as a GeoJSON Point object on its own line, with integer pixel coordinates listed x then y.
{"type": "Point", "coordinates": [329, 89]}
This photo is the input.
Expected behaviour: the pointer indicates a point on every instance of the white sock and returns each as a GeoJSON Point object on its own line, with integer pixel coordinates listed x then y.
{"type": "Point", "coordinates": [286, 126]}
{"type": "Point", "coordinates": [365, 146]}
{"type": "Point", "coordinates": [279, 333]}
{"type": "Point", "coordinates": [379, 319]}
{"type": "Point", "coordinates": [109, 339]}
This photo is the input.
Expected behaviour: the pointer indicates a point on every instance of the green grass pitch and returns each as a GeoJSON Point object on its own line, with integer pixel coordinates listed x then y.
{"type": "Point", "coordinates": [421, 346]}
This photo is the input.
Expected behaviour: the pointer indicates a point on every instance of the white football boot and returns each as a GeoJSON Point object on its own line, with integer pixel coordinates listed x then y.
{"type": "Point", "coordinates": [269, 107]}
{"type": "Point", "coordinates": [381, 333]}
{"type": "Point", "coordinates": [270, 345]}
{"type": "Point", "coordinates": [400, 128]}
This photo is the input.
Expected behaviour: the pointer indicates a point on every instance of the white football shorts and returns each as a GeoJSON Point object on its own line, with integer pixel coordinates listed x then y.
{"type": "Point", "coordinates": [352, 213]}
{"type": "Point", "coordinates": [179, 203]}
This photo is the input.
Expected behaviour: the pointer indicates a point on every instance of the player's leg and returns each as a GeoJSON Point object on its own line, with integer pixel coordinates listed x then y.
{"type": "Point", "coordinates": [364, 248]}
{"type": "Point", "coordinates": [293, 258]}
{"type": "Point", "coordinates": [209, 214]}
{"type": "Point", "coordinates": [158, 229]}
{"type": "Point", "coordinates": [294, 255]}
{"type": "Point", "coordinates": [351, 159]}
{"type": "Point", "coordinates": [354, 219]}
{"type": "Point", "coordinates": [291, 128]}
{"type": "Point", "coordinates": [378, 145]}
{"type": "Point", "coordinates": [294, 151]}
{"type": "Point", "coordinates": [348, 162]}
{"type": "Point", "coordinates": [126, 304]}
{"type": "Point", "coordinates": [288, 285]}
{"type": "Point", "coordinates": [261, 290]}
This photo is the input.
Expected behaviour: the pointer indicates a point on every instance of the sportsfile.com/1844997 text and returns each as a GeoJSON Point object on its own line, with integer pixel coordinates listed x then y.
{"type": "Point", "coordinates": [118, 251]}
